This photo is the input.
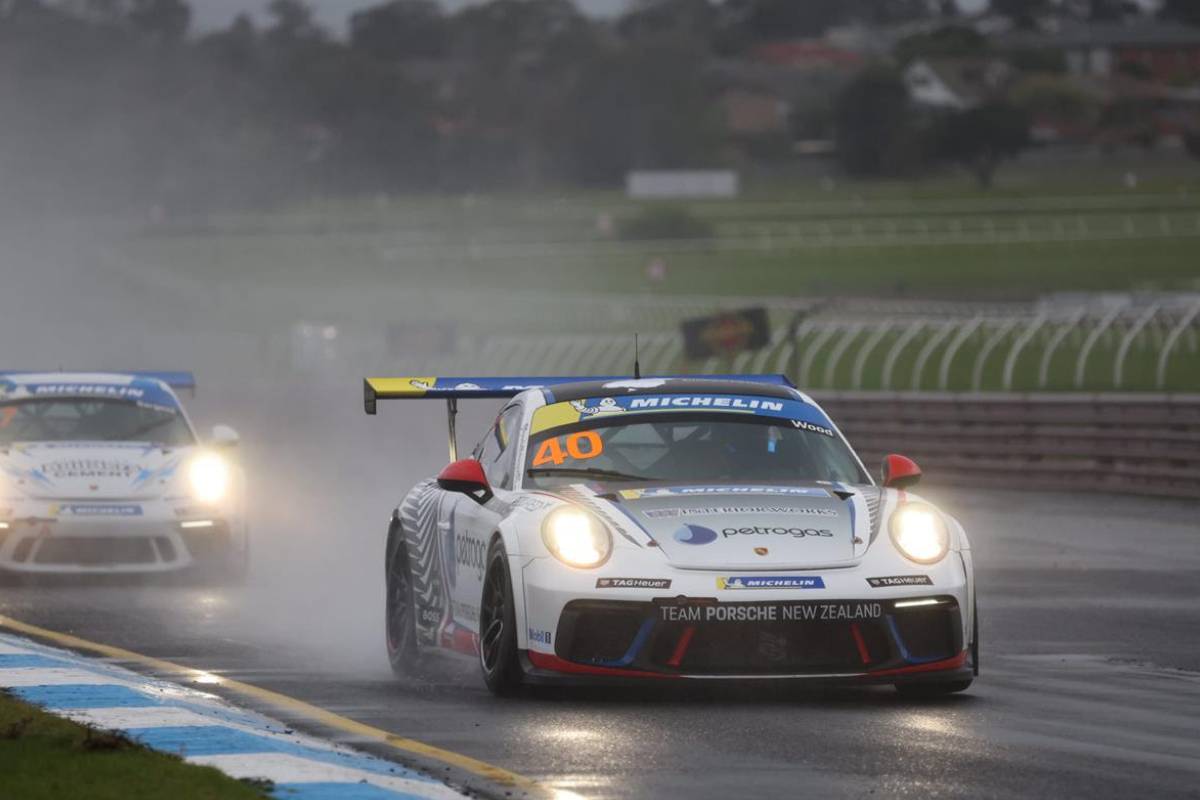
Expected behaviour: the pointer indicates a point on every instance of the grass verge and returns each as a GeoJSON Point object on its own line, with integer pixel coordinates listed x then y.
{"type": "Point", "coordinates": [44, 756]}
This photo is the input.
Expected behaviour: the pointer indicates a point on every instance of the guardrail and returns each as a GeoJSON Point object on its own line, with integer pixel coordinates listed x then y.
{"type": "Point", "coordinates": [1130, 443]}
{"type": "Point", "coordinates": [1083, 344]}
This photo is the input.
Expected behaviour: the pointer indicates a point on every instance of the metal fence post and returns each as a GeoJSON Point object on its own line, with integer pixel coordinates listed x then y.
{"type": "Point", "coordinates": [1160, 372]}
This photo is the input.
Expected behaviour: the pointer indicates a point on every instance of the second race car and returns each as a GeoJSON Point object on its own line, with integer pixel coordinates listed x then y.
{"type": "Point", "coordinates": [103, 473]}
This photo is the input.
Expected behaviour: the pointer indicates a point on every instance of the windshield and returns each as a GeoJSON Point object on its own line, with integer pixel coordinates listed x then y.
{"type": "Point", "coordinates": [66, 419]}
{"type": "Point", "coordinates": [689, 448]}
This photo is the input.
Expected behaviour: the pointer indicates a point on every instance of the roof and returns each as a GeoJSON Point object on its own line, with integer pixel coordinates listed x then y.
{"type": "Point", "coordinates": [807, 53]}
{"type": "Point", "coordinates": [1146, 33]}
{"type": "Point", "coordinates": [106, 378]}
{"type": "Point", "coordinates": [782, 81]}
{"type": "Point", "coordinates": [654, 386]}
{"type": "Point", "coordinates": [970, 81]}
{"type": "Point", "coordinates": [176, 379]}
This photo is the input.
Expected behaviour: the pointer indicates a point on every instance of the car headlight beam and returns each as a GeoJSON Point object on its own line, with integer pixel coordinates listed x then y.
{"type": "Point", "coordinates": [920, 534]}
{"type": "Point", "coordinates": [209, 477]}
{"type": "Point", "coordinates": [576, 538]}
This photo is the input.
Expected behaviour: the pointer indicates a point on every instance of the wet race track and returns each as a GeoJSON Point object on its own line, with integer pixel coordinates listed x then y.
{"type": "Point", "coordinates": [1090, 685]}
{"type": "Point", "coordinates": [1090, 603]}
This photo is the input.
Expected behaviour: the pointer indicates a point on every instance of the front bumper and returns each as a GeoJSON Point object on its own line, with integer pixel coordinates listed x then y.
{"type": "Point", "coordinates": [621, 639]}
{"type": "Point", "coordinates": [845, 631]}
{"type": "Point", "coordinates": [40, 541]}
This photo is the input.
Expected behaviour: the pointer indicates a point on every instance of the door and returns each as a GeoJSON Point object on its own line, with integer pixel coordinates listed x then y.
{"type": "Point", "coordinates": [466, 526]}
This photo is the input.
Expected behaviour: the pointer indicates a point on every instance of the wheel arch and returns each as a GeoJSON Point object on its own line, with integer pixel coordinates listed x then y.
{"type": "Point", "coordinates": [395, 535]}
{"type": "Point", "coordinates": [509, 538]}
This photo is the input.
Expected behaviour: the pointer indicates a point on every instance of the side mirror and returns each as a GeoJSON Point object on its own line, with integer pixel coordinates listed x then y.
{"type": "Point", "coordinates": [224, 436]}
{"type": "Point", "coordinates": [466, 476]}
{"type": "Point", "coordinates": [900, 472]}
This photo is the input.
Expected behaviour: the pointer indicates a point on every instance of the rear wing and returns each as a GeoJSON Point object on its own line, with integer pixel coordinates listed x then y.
{"type": "Point", "coordinates": [176, 379]}
{"type": "Point", "coordinates": [433, 388]}
{"type": "Point", "coordinates": [454, 389]}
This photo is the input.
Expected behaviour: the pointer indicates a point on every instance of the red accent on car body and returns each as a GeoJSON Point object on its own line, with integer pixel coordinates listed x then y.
{"type": "Point", "coordinates": [956, 662]}
{"type": "Point", "coordinates": [460, 640]}
{"type": "Point", "coordinates": [681, 647]}
{"type": "Point", "coordinates": [863, 652]}
{"type": "Point", "coordinates": [900, 472]}
{"type": "Point", "coordinates": [550, 662]}
{"type": "Point", "coordinates": [466, 472]}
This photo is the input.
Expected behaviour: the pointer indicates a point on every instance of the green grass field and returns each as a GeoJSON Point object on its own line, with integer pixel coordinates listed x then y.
{"type": "Point", "coordinates": [544, 264]}
{"type": "Point", "coordinates": [44, 757]}
{"type": "Point", "coordinates": [1073, 230]}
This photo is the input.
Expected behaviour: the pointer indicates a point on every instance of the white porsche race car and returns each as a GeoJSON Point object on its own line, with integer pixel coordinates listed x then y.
{"type": "Point", "coordinates": [102, 473]}
{"type": "Point", "coordinates": [618, 529]}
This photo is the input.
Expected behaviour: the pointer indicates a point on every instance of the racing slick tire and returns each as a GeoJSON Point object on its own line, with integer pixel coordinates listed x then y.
{"type": "Point", "coordinates": [400, 609]}
{"type": "Point", "coordinates": [226, 570]}
{"type": "Point", "coordinates": [233, 573]}
{"type": "Point", "coordinates": [498, 626]}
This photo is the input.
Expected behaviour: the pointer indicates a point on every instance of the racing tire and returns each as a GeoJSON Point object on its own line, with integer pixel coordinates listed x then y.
{"type": "Point", "coordinates": [235, 569]}
{"type": "Point", "coordinates": [227, 572]}
{"type": "Point", "coordinates": [400, 627]}
{"type": "Point", "coordinates": [975, 638]}
{"type": "Point", "coordinates": [498, 626]}
{"type": "Point", "coordinates": [14, 580]}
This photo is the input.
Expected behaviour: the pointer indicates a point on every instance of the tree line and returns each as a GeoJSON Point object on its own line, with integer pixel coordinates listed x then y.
{"type": "Point", "coordinates": [113, 102]}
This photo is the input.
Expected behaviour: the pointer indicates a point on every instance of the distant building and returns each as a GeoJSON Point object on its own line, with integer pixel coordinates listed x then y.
{"type": "Point", "coordinates": [778, 104]}
{"type": "Point", "coordinates": [751, 112]}
{"type": "Point", "coordinates": [808, 54]}
{"type": "Point", "coordinates": [1163, 52]}
{"type": "Point", "coordinates": [956, 84]}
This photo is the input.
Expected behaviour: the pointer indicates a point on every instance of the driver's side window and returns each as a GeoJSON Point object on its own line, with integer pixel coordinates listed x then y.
{"type": "Point", "coordinates": [497, 450]}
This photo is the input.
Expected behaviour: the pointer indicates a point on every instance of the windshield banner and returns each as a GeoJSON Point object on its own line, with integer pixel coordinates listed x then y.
{"type": "Point", "coordinates": [146, 393]}
{"type": "Point", "coordinates": [802, 415]}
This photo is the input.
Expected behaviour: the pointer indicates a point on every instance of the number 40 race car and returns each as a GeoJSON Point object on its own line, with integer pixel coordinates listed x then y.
{"type": "Point", "coordinates": [721, 527]}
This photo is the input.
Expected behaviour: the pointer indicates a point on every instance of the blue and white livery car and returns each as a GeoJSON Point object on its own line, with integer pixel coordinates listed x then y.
{"type": "Point", "coordinates": [103, 473]}
{"type": "Point", "coordinates": [719, 527]}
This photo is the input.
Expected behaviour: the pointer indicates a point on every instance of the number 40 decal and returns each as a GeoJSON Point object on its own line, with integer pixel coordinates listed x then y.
{"type": "Point", "coordinates": [579, 446]}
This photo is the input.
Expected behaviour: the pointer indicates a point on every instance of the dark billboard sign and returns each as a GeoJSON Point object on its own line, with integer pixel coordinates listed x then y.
{"type": "Point", "coordinates": [726, 334]}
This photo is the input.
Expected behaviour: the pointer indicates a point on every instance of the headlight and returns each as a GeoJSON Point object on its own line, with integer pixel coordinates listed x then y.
{"type": "Point", "coordinates": [209, 477]}
{"type": "Point", "coordinates": [576, 538]}
{"type": "Point", "coordinates": [920, 534]}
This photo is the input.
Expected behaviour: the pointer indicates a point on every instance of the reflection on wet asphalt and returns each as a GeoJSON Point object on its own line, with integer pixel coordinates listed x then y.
{"type": "Point", "coordinates": [1090, 603]}
{"type": "Point", "coordinates": [1091, 683]}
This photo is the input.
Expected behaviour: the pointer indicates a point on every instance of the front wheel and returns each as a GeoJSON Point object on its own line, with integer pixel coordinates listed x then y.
{"type": "Point", "coordinates": [399, 615]}
{"type": "Point", "coordinates": [498, 626]}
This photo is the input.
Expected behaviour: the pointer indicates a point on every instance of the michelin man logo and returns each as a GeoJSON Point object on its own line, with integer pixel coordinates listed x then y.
{"type": "Point", "coordinates": [11, 390]}
{"type": "Point", "coordinates": [605, 406]}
